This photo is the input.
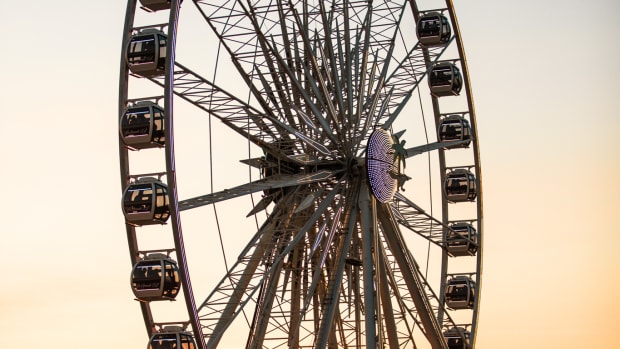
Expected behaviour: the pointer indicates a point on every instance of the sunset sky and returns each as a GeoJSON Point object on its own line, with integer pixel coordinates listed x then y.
{"type": "Point", "coordinates": [545, 86]}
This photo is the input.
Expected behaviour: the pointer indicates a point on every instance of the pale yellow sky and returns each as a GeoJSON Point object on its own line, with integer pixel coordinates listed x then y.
{"type": "Point", "coordinates": [544, 78]}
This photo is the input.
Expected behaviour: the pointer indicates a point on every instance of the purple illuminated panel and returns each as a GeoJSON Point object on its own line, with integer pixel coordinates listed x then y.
{"type": "Point", "coordinates": [380, 162]}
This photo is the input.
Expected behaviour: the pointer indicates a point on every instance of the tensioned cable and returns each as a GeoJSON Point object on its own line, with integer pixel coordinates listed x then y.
{"type": "Point", "coordinates": [428, 156]}
{"type": "Point", "coordinates": [249, 98]}
{"type": "Point", "coordinates": [256, 52]}
{"type": "Point", "coordinates": [217, 220]}
{"type": "Point", "coordinates": [249, 149]}
{"type": "Point", "coordinates": [430, 183]}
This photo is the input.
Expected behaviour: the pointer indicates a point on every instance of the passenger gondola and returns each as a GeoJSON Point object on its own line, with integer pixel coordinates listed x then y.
{"type": "Point", "coordinates": [462, 240]}
{"type": "Point", "coordinates": [146, 202]}
{"type": "Point", "coordinates": [146, 53]}
{"type": "Point", "coordinates": [155, 278]}
{"type": "Point", "coordinates": [172, 337]}
{"type": "Point", "coordinates": [445, 79]}
{"type": "Point", "coordinates": [458, 338]}
{"type": "Point", "coordinates": [460, 185]}
{"type": "Point", "coordinates": [142, 126]}
{"type": "Point", "coordinates": [455, 128]}
{"type": "Point", "coordinates": [460, 292]}
{"type": "Point", "coordinates": [156, 5]}
{"type": "Point", "coordinates": [433, 29]}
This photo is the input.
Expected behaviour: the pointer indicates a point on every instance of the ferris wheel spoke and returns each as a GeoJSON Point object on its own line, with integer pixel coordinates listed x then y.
{"type": "Point", "coordinates": [325, 255]}
{"type": "Point", "coordinates": [334, 283]}
{"type": "Point", "coordinates": [360, 72]}
{"type": "Point", "coordinates": [265, 304]}
{"type": "Point", "coordinates": [411, 277]}
{"type": "Point", "coordinates": [387, 16]}
{"type": "Point", "coordinates": [270, 247]}
{"type": "Point", "coordinates": [288, 315]}
{"type": "Point", "coordinates": [319, 76]}
{"type": "Point", "coordinates": [281, 98]}
{"type": "Point", "coordinates": [254, 125]}
{"type": "Point", "coordinates": [374, 100]}
{"type": "Point", "coordinates": [291, 127]}
{"type": "Point", "coordinates": [367, 224]}
{"type": "Point", "coordinates": [380, 285]}
{"type": "Point", "coordinates": [383, 108]}
{"type": "Point", "coordinates": [273, 182]}
{"type": "Point", "coordinates": [371, 78]}
{"type": "Point", "coordinates": [414, 67]}
{"type": "Point", "coordinates": [313, 89]}
{"type": "Point", "coordinates": [306, 139]}
{"type": "Point", "coordinates": [421, 149]}
{"type": "Point", "coordinates": [414, 218]}
{"type": "Point", "coordinates": [276, 96]}
{"type": "Point", "coordinates": [241, 281]}
{"type": "Point", "coordinates": [405, 317]}
{"type": "Point", "coordinates": [254, 35]}
{"type": "Point", "coordinates": [437, 307]}
{"type": "Point", "coordinates": [238, 29]}
{"type": "Point", "coordinates": [434, 306]}
{"type": "Point", "coordinates": [322, 149]}
{"type": "Point", "coordinates": [309, 100]}
{"type": "Point", "coordinates": [326, 258]}
{"type": "Point", "coordinates": [391, 313]}
{"type": "Point", "coordinates": [334, 82]}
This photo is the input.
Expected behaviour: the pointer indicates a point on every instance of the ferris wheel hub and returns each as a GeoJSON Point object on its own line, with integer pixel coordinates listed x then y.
{"type": "Point", "coordinates": [354, 167]}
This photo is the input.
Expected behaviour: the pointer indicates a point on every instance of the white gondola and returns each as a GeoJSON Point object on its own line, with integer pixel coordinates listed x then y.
{"type": "Point", "coordinates": [433, 29]}
{"type": "Point", "coordinates": [462, 240]}
{"type": "Point", "coordinates": [445, 79]}
{"type": "Point", "coordinates": [458, 338]}
{"type": "Point", "coordinates": [146, 53]}
{"type": "Point", "coordinates": [146, 202]}
{"type": "Point", "coordinates": [155, 278]}
{"type": "Point", "coordinates": [156, 5]}
{"type": "Point", "coordinates": [455, 128]}
{"type": "Point", "coordinates": [460, 185]}
{"type": "Point", "coordinates": [142, 126]}
{"type": "Point", "coordinates": [460, 292]}
{"type": "Point", "coordinates": [172, 337]}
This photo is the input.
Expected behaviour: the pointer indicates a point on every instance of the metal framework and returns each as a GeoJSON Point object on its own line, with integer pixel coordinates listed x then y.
{"type": "Point", "coordinates": [330, 266]}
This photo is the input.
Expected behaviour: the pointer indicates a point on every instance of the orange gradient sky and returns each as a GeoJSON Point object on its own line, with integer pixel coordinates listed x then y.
{"type": "Point", "coordinates": [545, 80]}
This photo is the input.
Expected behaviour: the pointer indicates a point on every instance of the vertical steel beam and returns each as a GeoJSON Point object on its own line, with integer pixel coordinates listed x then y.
{"type": "Point", "coordinates": [409, 272]}
{"type": "Point", "coordinates": [386, 301]}
{"type": "Point", "coordinates": [365, 204]}
{"type": "Point", "coordinates": [337, 274]}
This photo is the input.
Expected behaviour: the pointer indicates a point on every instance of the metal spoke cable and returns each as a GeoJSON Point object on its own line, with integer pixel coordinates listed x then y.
{"type": "Point", "coordinates": [249, 156]}
{"type": "Point", "coordinates": [430, 181]}
{"type": "Point", "coordinates": [428, 156]}
{"type": "Point", "coordinates": [217, 220]}
{"type": "Point", "coordinates": [430, 185]}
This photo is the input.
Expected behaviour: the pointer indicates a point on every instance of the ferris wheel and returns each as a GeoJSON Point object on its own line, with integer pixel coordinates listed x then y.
{"type": "Point", "coordinates": [338, 141]}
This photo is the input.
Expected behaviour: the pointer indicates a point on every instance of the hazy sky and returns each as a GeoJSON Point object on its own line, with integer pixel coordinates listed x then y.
{"type": "Point", "coordinates": [544, 76]}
